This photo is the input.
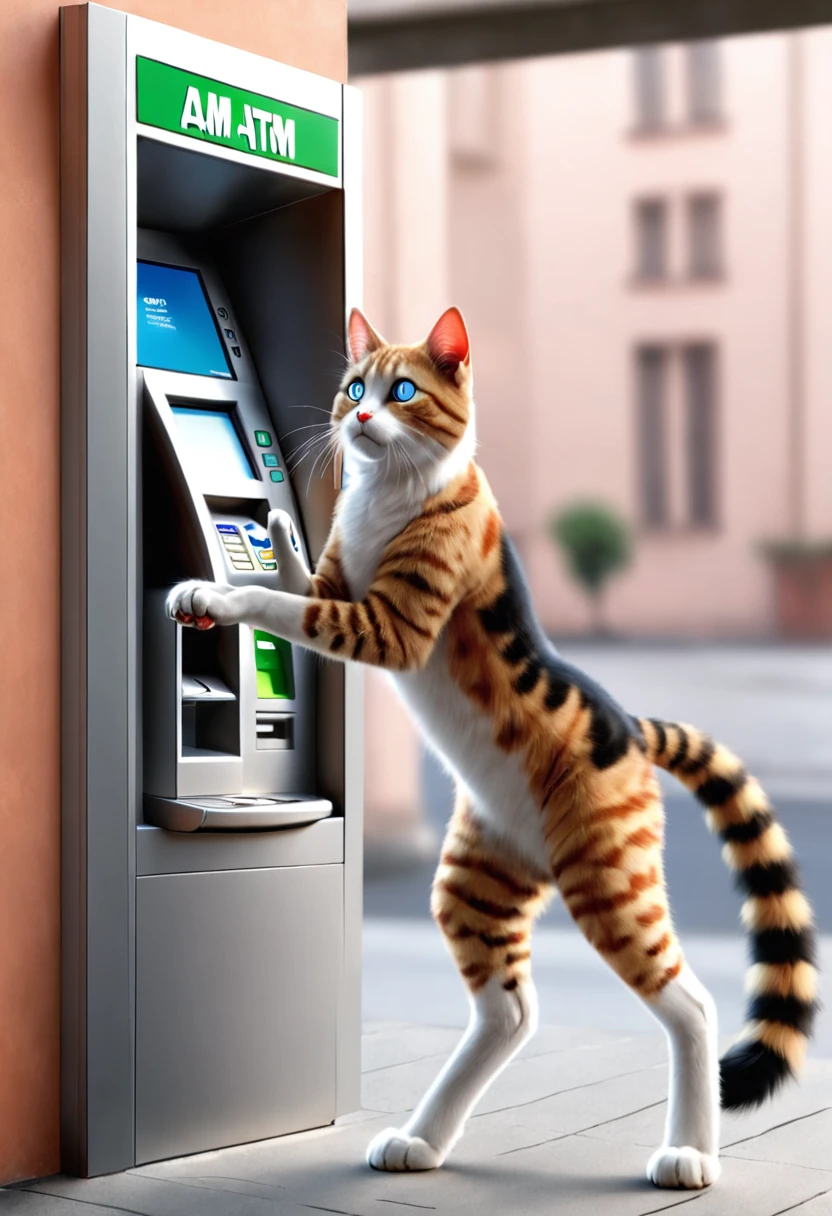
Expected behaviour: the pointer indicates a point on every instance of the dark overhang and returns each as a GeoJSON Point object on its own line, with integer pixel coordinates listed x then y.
{"type": "Point", "coordinates": [385, 36]}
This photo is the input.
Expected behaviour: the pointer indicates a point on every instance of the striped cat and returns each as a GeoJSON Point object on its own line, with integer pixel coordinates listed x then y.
{"type": "Point", "coordinates": [556, 784]}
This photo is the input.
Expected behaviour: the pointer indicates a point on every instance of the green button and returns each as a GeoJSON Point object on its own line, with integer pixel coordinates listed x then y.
{"type": "Point", "coordinates": [276, 474]}
{"type": "Point", "coordinates": [264, 439]}
{"type": "Point", "coordinates": [269, 460]}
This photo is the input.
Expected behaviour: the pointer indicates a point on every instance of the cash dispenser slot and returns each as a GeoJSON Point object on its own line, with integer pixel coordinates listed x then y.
{"type": "Point", "coordinates": [234, 812]}
{"type": "Point", "coordinates": [275, 731]}
{"type": "Point", "coordinates": [209, 704]}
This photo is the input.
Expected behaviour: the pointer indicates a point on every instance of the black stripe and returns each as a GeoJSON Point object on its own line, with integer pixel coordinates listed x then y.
{"type": "Point", "coordinates": [691, 767]}
{"type": "Point", "coordinates": [680, 755]}
{"type": "Point", "coordinates": [661, 733]}
{"type": "Point", "coordinates": [486, 906]}
{"type": "Point", "coordinates": [527, 680]}
{"type": "Point", "coordinates": [337, 642]}
{"type": "Point", "coordinates": [420, 584]}
{"type": "Point", "coordinates": [406, 620]}
{"type": "Point", "coordinates": [716, 791]}
{"type": "Point", "coordinates": [752, 829]}
{"type": "Point", "coordinates": [495, 940]}
{"type": "Point", "coordinates": [517, 649]}
{"type": "Point", "coordinates": [783, 946]}
{"type": "Point", "coordinates": [787, 1010]}
{"type": "Point", "coordinates": [381, 645]}
{"type": "Point", "coordinates": [776, 879]}
{"type": "Point", "coordinates": [359, 646]}
{"type": "Point", "coordinates": [557, 691]}
{"type": "Point", "coordinates": [498, 616]}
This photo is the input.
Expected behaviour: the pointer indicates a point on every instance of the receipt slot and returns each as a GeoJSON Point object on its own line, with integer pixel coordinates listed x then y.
{"type": "Point", "coordinates": [211, 779]}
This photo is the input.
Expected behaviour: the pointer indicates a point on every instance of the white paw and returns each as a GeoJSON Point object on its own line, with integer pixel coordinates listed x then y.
{"type": "Point", "coordinates": [280, 519]}
{"type": "Point", "coordinates": [684, 1167]}
{"type": "Point", "coordinates": [393, 1149]}
{"type": "Point", "coordinates": [201, 605]}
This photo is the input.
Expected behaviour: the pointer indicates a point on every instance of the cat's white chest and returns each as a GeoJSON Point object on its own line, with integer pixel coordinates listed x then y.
{"type": "Point", "coordinates": [369, 520]}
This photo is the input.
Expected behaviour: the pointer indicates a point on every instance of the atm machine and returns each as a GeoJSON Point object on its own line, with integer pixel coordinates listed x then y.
{"type": "Point", "coordinates": [211, 880]}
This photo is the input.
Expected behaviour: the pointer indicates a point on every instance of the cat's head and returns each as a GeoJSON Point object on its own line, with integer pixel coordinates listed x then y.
{"type": "Point", "coordinates": [407, 406]}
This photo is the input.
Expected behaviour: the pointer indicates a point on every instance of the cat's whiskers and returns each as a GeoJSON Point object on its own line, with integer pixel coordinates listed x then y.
{"type": "Point", "coordinates": [306, 449]}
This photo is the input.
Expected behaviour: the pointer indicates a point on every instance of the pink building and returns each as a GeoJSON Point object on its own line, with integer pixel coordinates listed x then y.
{"type": "Point", "coordinates": [641, 242]}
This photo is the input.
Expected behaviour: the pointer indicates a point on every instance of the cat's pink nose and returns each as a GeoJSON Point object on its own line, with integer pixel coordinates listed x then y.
{"type": "Point", "coordinates": [364, 416]}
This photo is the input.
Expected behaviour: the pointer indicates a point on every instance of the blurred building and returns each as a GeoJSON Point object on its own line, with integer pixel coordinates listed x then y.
{"type": "Point", "coordinates": [641, 243]}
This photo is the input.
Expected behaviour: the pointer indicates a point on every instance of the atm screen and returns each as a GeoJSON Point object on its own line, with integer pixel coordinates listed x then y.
{"type": "Point", "coordinates": [176, 330]}
{"type": "Point", "coordinates": [212, 444]}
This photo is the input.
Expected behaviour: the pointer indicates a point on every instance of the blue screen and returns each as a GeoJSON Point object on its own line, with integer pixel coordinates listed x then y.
{"type": "Point", "coordinates": [212, 443]}
{"type": "Point", "coordinates": [176, 330]}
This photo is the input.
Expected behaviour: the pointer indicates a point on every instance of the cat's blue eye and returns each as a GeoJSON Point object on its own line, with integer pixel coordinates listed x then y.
{"type": "Point", "coordinates": [355, 391]}
{"type": "Point", "coordinates": [403, 390]}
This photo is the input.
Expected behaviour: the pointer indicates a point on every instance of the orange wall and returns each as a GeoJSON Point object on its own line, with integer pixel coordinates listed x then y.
{"type": "Point", "coordinates": [309, 34]}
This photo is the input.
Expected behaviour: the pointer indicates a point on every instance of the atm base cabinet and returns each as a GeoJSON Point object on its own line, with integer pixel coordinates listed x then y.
{"type": "Point", "coordinates": [237, 976]}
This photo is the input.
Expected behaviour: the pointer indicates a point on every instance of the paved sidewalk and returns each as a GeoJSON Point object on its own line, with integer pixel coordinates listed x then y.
{"type": "Point", "coordinates": [771, 704]}
{"type": "Point", "coordinates": [567, 1129]}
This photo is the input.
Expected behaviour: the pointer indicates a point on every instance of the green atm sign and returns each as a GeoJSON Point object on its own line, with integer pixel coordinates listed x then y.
{"type": "Point", "coordinates": [201, 108]}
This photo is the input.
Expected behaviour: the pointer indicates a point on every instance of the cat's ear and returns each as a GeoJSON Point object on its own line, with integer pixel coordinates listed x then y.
{"type": "Point", "coordinates": [447, 343]}
{"type": "Point", "coordinates": [362, 337]}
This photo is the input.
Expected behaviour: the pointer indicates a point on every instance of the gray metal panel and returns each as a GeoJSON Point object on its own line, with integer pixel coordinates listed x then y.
{"type": "Point", "coordinates": [73, 586]}
{"type": "Point", "coordinates": [111, 609]}
{"type": "Point", "coordinates": [351, 726]}
{"type": "Point", "coordinates": [295, 337]}
{"type": "Point", "coordinates": [161, 852]}
{"type": "Point", "coordinates": [254, 1055]}
{"type": "Point", "coordinates": [185, 190]}
{"type": "Point", "coordinates": [99, 566]}
{"type": "Point", "coordinates": [391, 37]}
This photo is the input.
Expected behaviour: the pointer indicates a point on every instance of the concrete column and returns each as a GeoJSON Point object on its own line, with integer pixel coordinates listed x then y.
{"type": "Point", "coordinates": [406, 290]}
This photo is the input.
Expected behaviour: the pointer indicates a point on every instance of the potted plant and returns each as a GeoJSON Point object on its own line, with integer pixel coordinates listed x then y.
{"type": "Point", "coordinates": [802, 587]}
{"type": "Point", "coordinates": [596, 542]}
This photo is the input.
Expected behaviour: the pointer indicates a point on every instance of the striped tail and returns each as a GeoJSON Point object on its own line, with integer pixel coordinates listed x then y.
{"type": "Point", "coordinates": [782, 981]}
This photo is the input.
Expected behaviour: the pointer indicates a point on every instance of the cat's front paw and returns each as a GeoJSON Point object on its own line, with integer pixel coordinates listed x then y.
{"type": "Point", "coordinates": [685, 1168]}
{"type": "Point", "coordinates": [395, 1150]}
{"type": "Point", "coordinates": [200, 605]}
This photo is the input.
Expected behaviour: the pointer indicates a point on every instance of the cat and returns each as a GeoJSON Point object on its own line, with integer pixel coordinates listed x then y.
{"type": "Point", "coordinates": [556, 784]}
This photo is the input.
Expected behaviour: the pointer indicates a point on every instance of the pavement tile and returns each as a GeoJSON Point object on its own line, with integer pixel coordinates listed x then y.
{"type": "Point", "coordinates": [504, 1132]}
{"type": "Point", "coordinates": [17, 1202]}
{"type": "Point", "coordinates": [813, 1093]}
{"type": "Point", "coordinates": [390, 1046]}
{"type": "Point", "coordinates": [147, 1195]}
{"type": "Point", "coordinates": [566, 1130]}
{"type": "Point", "coordinates": [405, 1045]}
{"type": "Point", "coordinates": [805, 1140]}
{"type": "Point", "coordinates": [821, 1205]}
{"type": "Point", "coordinates": [526, 1078]}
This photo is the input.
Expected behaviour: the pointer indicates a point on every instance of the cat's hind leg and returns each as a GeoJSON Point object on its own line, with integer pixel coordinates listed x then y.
{"type": "Point", "coordinates": [612, 881]}
{"type": "Point", "coordinates": [485, 906]}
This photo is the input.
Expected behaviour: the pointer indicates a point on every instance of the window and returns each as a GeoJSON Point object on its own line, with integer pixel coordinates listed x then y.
{"type": "Point", "coordinates": [651, 388]}
{"type": "Point", "coordinates": [676, 418]}
{"type": "Point", "coordinates": [649, 87]}
{"type": "Point", "coordinates": [651, 239]}
{"type": "Point", "coordinates": [703, 81]}
{"type": "Point", "coordinates": [700, 433]}
{"type": "Point", "coordinates": [705, 236]}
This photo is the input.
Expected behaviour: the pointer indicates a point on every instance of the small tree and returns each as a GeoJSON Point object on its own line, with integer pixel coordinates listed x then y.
{"type": "Point", "coordinates": [596, 542]}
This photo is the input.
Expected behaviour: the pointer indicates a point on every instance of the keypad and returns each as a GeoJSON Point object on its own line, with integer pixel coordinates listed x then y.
{"type": "Point", "coordinates": [232, 541]}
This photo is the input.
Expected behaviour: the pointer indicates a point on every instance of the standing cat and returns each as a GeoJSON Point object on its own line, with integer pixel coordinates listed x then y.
{"type": "Point", "coordinates": [556, 785]}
